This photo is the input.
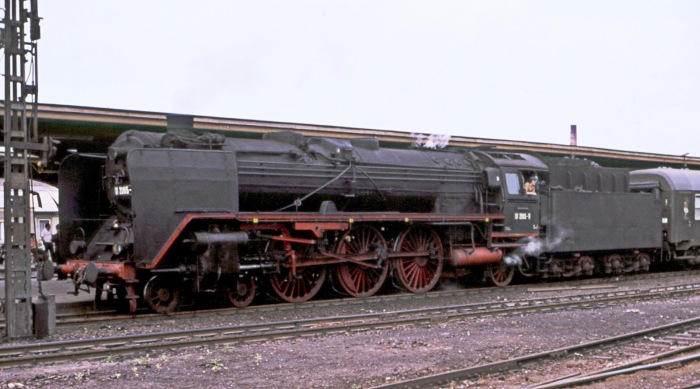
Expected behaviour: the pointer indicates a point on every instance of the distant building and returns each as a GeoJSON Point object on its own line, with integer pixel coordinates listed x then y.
{"type": "Point", "coordinates": [43, 208]}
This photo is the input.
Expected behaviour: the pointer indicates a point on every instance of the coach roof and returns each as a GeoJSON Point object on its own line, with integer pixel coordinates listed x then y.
{"type": "Point", "coordinates": [678, 179]}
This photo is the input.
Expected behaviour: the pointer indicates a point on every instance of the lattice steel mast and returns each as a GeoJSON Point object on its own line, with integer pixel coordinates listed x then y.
{"type": "Point", "coordinates": [19, 140]}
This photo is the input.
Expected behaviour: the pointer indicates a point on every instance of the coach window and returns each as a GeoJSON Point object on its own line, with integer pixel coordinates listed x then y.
{"type": "Point", "coordinates": [513, 183]}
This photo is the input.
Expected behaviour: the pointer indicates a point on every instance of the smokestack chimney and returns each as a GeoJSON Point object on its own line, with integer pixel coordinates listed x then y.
{"type": "Point", "coordinates": [573, 135]}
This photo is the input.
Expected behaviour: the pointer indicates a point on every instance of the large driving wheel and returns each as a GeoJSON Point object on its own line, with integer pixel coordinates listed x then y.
{"type": "Point", "coordinates": [419, 273]}
{"type": "Point", "coordinates": [299, 287]}
{"type": "Point", "coordinates": [161, 294]}
{"type": "Point", "coordinates": [366, 278]}
{"type": "Point", "coordinates": [242, 291]}
{"type": "Point", "coordinates": [500, 274]}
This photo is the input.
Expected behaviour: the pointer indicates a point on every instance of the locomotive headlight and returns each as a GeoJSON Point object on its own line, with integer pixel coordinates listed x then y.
{"type": "Point", "coordinates": [121, 240]}
{"type": "Point", "coordinates": [117, 248]}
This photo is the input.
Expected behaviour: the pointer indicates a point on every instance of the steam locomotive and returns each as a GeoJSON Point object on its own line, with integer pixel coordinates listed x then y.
{"type": "Point", "coordinates": [165, 219]}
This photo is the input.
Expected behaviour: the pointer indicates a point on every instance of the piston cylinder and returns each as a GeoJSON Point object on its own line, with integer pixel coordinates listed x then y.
{"type": "Point", "coordinates": [475, 256]}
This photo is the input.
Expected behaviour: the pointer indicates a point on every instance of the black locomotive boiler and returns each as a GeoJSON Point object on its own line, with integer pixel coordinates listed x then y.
{"type": "Point", "coordinates": [166, 218]}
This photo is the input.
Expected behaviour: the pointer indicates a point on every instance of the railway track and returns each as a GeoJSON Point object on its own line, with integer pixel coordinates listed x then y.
{"type": "Point", "coordinates": [673, 357]}
{"type": "Point", "coordinates": [22, 354]}
{"type": "Point", "coordinates": [674, 343]}
{"type": "Point", "coordinates": [85, 313]}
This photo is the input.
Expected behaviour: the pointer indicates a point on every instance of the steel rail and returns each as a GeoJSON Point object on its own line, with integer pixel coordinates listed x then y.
{"type": "Point", "coordinates": [515, 363]}
{"type": "Point", "coordinates": [83, 313]}
{"type": "Point", "coordinates": [625, 368]}
{"type": "Point", "coordinates": [23, 354]}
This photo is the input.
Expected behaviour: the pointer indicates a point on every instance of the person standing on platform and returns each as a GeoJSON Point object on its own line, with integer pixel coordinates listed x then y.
{"type": "Point", "coordinates": [47, 239]}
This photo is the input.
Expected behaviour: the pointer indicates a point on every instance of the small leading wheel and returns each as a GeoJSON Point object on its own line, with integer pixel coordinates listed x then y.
{"type": "Point", "coordinates": [299, 287]}
{"type": "Point", "coordinates": [99, 287]}
{"type": "Point", "coordinates": [161, 294]}
{"type": "Point", "coordinates": [242, 291]}
{"type": "Point", "coordinates": [419, 273]}
{"type": "Point", "coordinates": [366, 278]}
{"type": "Point", "coordinates": [117, 298]}
{"type": "Point", "coordinates": [500, 274]}
{"type": "Point", "coordinates": [130, 296]}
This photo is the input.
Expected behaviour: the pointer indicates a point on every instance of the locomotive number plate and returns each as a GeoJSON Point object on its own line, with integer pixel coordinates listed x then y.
{"type": "Point", "coordinates": [523, 216]}
{"type": "Point", "coordinates": [122, 190]}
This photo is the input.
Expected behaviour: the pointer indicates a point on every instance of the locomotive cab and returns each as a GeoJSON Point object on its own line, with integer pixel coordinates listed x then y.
{"type": "Point", "coordinates": [513, 184]}
{"type": "Point", "coordinates": [522, 199]}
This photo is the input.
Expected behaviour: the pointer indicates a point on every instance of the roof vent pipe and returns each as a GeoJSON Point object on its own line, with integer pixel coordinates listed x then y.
{"type": "Point", "coordinates": [182, 125]}
{"type": "Point", "coordinates": [573, 135]}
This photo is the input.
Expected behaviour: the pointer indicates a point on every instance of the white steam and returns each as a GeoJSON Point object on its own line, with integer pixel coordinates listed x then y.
{"type": "Point", "coordinates": [432, 141]}
{"type": "Point", "coordinates": [533, 247]}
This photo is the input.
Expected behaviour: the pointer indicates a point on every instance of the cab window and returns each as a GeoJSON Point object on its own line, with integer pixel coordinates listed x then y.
{"type": "Point", "coordinates": [513, 183]}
